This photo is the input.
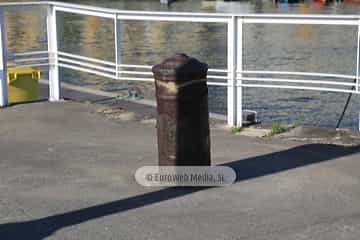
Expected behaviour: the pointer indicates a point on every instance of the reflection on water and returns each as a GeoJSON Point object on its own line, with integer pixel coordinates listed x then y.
{"type": "Point", "coordinates": [267, 47]}
{"type": "Point", "coordinates": [22, 38]}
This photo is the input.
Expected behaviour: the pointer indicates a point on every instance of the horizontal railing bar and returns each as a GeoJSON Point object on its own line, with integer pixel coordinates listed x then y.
{"type": "Point", "coordinates": [127, 12]}
{"type": "Point", "coordinates": [218, 70]}
{"type": "Point", "coordinates": [30, 59]}
{"type": "Point", "coordinates": [298, 16]}
{"type": "Point", "coordinates": [309, 20]}
{"type": "Point", "coordinates": [89, 59]}
{"type": "Point", "coordinates": [136, 79]}
{"type": "Point", "coordinates": [297, 81]}
{"type": "Point", "coordinates": [297, 87]}
{"type": "Point", "coordinates": [80, 7]}
{"type": "Point", "coordinates": [219, 15]}
{"type": "Point", "coordinates": [86, 70]}
{"type": "Point", "coordinates": [112, 70]}
{"type": "Point", "coordinates": [133, 15]}
{"type": "Point", "coordinates": [152, 80]}
{"type": "Point", "coordinates": [84, 12]}
{"type": "Point", "coordinates": [136, 72]}
{"type": "Point", "coordinates": [172, 18]}
{"type": "Point", "coordinates": [27, 53]}
{"type": "Point", "coordinates": [134, 66]}
{"type": "Point", "coordinates": [35, 3]}
{"type": "Point", "coordinates": [122, 78]}
{"type": "Point", "coordinates": [29, 65]}
{"type": "Point", "coordinates": [217, 77]}
{"type": "Point", "coordinates": [315, 74]}
{"type": "Point", "coordinates": [21, 6]}
{"type": "Point", "coordinates": [103, 74]}
{"type": "Point", "coordinates": [248, 17]}
{"type": "Point", "coordinates": [217, 84]}
{"type": "Point", "coordinates": [150, 67]}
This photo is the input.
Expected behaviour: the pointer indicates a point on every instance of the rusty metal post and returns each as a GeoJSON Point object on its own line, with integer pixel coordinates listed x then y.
{"type": "Point", "coordinates": [183, 115]}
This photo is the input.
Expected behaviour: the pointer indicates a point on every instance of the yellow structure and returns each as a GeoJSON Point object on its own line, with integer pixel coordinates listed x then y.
{"type": "Point", "coordinates": [23, 84]}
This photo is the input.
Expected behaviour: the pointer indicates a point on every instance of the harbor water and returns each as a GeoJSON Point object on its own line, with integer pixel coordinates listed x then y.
{"type": "Point", "coordinates": [277, 47]}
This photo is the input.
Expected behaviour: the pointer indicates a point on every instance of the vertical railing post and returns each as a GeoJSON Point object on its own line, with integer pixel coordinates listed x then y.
{"type": "Point", "coordinates": [358, 57]}
{"type": "Point", "coordinates": [231, 65]}
{"type": "Point", "coordinates": [3, 72]}
{"type": "Point", "coordinates": [239, 69]}
{"type": "Point", "coordinates": [117, 32]}
{"type": "Point", "coordinates": [54, 82]}
{"type": "Point", "coordinates": [358, 64]}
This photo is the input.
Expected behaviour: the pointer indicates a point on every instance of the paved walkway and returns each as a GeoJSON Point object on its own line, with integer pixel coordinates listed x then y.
{"type": "Point", "coordinates": [66, 172]}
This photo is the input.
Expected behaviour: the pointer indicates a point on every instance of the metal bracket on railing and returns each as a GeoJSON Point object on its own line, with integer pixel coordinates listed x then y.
{"type": "Point", "coordinates": [53, 59]}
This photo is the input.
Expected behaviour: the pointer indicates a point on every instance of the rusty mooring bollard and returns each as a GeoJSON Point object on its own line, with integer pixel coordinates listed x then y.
{"type": "Point", "coordinates": [183, 115]}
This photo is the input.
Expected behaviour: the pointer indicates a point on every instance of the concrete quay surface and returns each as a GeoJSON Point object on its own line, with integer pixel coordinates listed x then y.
{"type": "Point", "coordinates": [67, 172]}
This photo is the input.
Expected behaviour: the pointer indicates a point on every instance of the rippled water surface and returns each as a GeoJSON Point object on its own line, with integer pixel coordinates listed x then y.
{"type": "Point", "coordinates": [311, 48]}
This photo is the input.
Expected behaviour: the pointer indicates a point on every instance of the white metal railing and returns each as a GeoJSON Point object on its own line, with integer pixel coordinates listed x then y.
{"type": "Point", "coordinates": [234, 77]}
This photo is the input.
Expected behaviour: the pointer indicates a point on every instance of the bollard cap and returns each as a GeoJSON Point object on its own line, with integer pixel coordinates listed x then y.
{"type": "Point", "coordinates": [180, 68]}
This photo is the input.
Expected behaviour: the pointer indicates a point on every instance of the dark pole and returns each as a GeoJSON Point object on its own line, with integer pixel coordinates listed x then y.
{"type": "Point", "coordinates": [183, 115]}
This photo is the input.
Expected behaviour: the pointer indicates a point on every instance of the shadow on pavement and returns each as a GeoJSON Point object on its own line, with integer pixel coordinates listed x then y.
{"type": "Point", "coordinates": [246, 169]}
